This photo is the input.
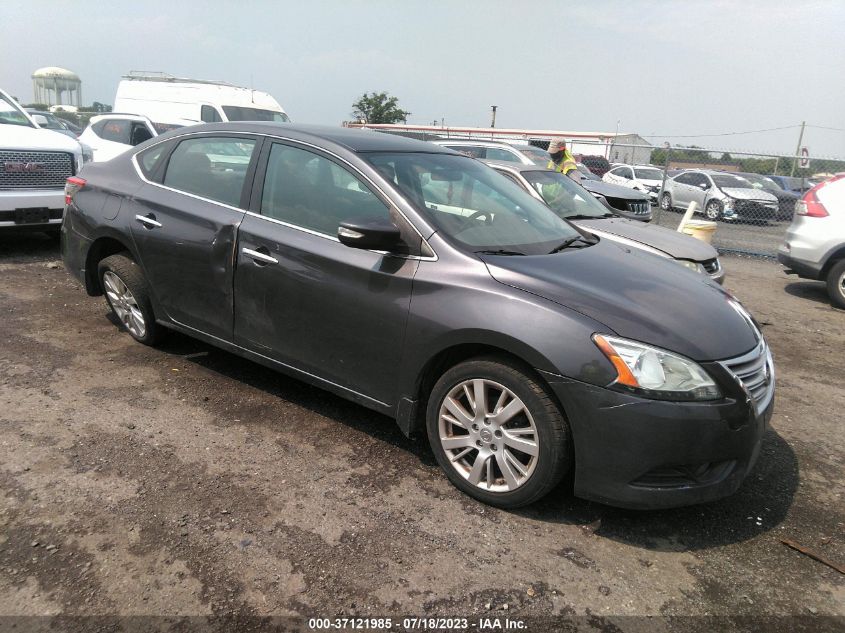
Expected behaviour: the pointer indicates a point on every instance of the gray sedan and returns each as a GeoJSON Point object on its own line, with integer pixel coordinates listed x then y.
{"type": "Point", "coordinates": [571, 202]}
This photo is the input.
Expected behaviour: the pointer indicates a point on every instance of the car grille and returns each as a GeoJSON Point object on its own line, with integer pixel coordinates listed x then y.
{"type": "Point", "coordinates": [712, 266]}
{"type": "Point", "coordinates": [34, 170]}
{"type": "Point", "coordinates": [755, 371]}
{"type": "Point", "coordinates": [755, 208]}
{"type": "Point", "coordinates": [639, 207]}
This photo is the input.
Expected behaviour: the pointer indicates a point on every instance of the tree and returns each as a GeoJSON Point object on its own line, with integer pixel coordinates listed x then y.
{"type": "Point", "coordinates": [379, 108]}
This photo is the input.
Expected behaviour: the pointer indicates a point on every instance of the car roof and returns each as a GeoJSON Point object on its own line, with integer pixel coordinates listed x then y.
{"type": "Point", "coordinates": [517, 167]}
{"type": "Point", "coordinates": [352, 139]}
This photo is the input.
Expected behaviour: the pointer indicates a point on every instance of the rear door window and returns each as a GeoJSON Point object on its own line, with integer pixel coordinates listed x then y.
{"type": "Point", "coordinates": [209, 115]}
{"type": "Point", "coordinates": [496, 153]}
{"type": "Point", "coordinates": [116, 130]}
{"type": "Point", "coordinates": [211, 167]}
{"type": "Point", "coordinates": [150, 158]}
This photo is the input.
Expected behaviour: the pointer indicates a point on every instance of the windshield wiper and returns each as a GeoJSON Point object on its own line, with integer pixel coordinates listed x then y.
{"type": "Point", "coordinates": [569, 242]}
{"type": "Point", "coordinates": [584, 216]}
{"type": "Point", "coordinates": [500, 251]}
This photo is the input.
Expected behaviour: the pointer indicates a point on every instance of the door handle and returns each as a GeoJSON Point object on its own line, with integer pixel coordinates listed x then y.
{"type": "Point", "coordinates": [258, 256]}
{"type": "Point", "coordinates": [148, 221]}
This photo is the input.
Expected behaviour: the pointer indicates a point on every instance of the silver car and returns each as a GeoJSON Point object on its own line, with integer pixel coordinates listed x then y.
{"type": "Point", "coordinates": [720, 196]}
{"type": "Point", "coordinates": [814, 247]}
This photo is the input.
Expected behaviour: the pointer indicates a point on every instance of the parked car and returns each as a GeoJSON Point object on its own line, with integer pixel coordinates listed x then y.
{"type": "Point", "coordinates": [493, 150]}
{"type": "Point", "coordinates": [526, 347]}
{"type": "Point", "coordinates": [621, 200]}
{"type": "Point", "coordinates": [814, 247]}
{"type": "Point", "coordinates": [170, 100]}
{"type": "Point", "coordinates": [798, 186]}
{"type": "Point", "coordinates": [50, 121]}
{"type": "Point", "coordinates": [786, 199]}
{"type": "Point", "coordinates": [34, 165]}
{"type": "Point", "coordinates": [109, 135]}
{"type": "Point", "coordinates": [571, 202]}
{"type": "Point", "coordinates": [643, 178]}
{"type": "Point", "coordinates": [719, 195]}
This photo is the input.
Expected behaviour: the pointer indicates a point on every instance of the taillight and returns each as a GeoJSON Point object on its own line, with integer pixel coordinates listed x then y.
{"type": "Point", "coordinates": [810, 205]}
{"type": "Point", "coordinates": [72, 185]}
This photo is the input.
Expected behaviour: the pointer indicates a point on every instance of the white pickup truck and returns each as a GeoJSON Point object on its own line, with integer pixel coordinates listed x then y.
{"type": "Point", "coordinates": [34, 165]}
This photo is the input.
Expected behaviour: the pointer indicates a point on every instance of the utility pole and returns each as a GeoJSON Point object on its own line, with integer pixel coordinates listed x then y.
{"type": "Point", "coordinates": [797, 149]}
{"type": "Point", "coordinates": [493, 122]}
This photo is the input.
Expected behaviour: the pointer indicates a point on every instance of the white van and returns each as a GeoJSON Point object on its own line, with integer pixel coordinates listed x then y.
{"type": "Point", "coordinates": [171, 101]}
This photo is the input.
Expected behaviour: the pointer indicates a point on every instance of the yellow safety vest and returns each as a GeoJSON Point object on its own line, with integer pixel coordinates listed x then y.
{"type": "Point", "coordinates": [566, 165]}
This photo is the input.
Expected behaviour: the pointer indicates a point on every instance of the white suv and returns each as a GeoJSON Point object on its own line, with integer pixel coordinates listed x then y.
{"type": "Point", "coordinates": [643, 178]}
{"type": "Point", "coordinates": [109, 135]}
{"type": "Point", "coordinates": [814, 247]}
{"type": "Point", "coordinates": [34, 166]}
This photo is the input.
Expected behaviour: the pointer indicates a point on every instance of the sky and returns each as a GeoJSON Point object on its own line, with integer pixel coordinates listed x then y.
{"type": "Point", "coordinates": [688, 72]}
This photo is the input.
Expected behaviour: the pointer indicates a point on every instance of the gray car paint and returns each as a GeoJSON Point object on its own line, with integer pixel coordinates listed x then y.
{"type": "Point", "coordinates": [378, 329]}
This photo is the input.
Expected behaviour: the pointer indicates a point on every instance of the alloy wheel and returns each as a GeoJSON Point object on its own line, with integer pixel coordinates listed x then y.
{"type": "Point", "coordinates": [488, 435]}
{"type": "Point", "coordinates": [713, 211]}
{"type": "Point", "coordinates": [664, 202]}
{"type": "Point", "coordinates": [124, 304]}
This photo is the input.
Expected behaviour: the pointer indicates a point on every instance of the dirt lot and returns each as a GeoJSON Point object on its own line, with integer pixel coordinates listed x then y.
{"type": "Point", "coordinates": [186, 481]}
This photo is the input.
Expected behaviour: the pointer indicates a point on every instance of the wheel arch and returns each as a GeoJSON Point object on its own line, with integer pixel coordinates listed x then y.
{"type": "Point", "coordinates": [831, 259]}
{"type": "Point", "coordinates": [529, 360]}
{"type": "Point", "coordinates": [102, 247]}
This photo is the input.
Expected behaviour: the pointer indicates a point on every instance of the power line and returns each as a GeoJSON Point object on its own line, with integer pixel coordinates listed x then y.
{"type": "Point", "coordinates": [823, 127]}
{"type": "Point", "coordinates": [771, 129]}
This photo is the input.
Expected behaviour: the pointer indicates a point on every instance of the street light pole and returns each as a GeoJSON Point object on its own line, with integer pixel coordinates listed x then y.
{"type": "Point", "coordinates": [797, 149]}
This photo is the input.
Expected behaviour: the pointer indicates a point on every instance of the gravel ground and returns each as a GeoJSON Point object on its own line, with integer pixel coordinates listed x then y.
{"type": "Point", "coordinates": [184, 481]}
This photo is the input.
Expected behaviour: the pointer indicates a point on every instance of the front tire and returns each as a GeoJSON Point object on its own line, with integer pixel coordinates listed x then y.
{"type": "Point", "coordinates": [666, 202]}
{"type": "Point", "coordinates": [836, 284]}
{"type": "Point", "coordinates": [128, 295]}
{"type": "Point", "coordinates": [497, 433]}
{"type": "Point", "coordinates": [713, 210]}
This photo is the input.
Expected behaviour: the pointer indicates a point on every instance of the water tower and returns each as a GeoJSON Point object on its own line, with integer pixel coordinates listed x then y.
{"type": "Point", "coordinates": [51, 83]}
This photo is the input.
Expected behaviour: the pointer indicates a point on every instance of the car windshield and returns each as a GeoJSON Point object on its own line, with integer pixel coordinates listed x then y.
{"type": "Point", "coordinates": [564, 196]}
{"type": "Point", "coordinates": [648, 174]}
{"type": "Point", "coordinates": [471, 204]}
{"type": "Point", "coordinates": [732, 182]}
{"type": "Point", "coordinates": [11, 115]}
{"type": "Point", "coordinates": [239, 113]}
{"type": "Point", "coordinates": [762, 182]}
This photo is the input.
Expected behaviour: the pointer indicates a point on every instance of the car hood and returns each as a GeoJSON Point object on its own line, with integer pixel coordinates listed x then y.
{"type": "Point", "coordinates": [674, 244]}
{"type": "Point", "coordinates": [637, 295]}
{"type": "Point", "coordinates": [30, 138]}
{"type": "Point", "coordinates": [748, 194]}
{"type": "Point", "coordinates": [614, 191]}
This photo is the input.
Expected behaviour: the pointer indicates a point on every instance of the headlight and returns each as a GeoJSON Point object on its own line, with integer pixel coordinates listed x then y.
{"type": "Point", "coordinates": [691, 265]}
{"type": "Point", "coordinates": [728, 204]}
{"type": "Point", "coordinates": [656, 373]}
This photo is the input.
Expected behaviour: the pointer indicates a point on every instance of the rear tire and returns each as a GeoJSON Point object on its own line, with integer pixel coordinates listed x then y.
{"type": "Point", "coordinates": [507, 447]}
{"type": "Point", "coordinates": [836, 284]}
{"type": "Point", "coordinates": [128, 295]}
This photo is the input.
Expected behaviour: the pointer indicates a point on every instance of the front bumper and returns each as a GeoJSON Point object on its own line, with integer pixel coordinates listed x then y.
{"type": "Point", "coordinates": [632, 452]}
{"type": "Point", "coordinates": [53, 200]}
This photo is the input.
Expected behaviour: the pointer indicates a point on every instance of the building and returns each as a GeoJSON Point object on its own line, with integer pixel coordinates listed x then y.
{"type": "Point", "coordinates": [57, 86]}
{"type": "Point", "coordinates": [631, 149]}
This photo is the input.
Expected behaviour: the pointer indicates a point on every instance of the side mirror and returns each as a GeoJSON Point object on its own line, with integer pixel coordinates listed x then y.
{"type": "Point", "coordinates": [704, 186]}
{"type": "Point", "coordinates": [40, 119]}
{"type": "Point", "coordinates": [370, 234]}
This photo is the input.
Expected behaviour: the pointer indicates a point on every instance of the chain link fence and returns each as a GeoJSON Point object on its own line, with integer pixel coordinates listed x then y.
{"type": "Point", "coordinates": [750, 196]}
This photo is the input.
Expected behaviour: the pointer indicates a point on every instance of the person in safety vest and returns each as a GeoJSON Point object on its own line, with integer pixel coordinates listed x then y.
{"type": "Point", "coordinates": [562, 160]}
